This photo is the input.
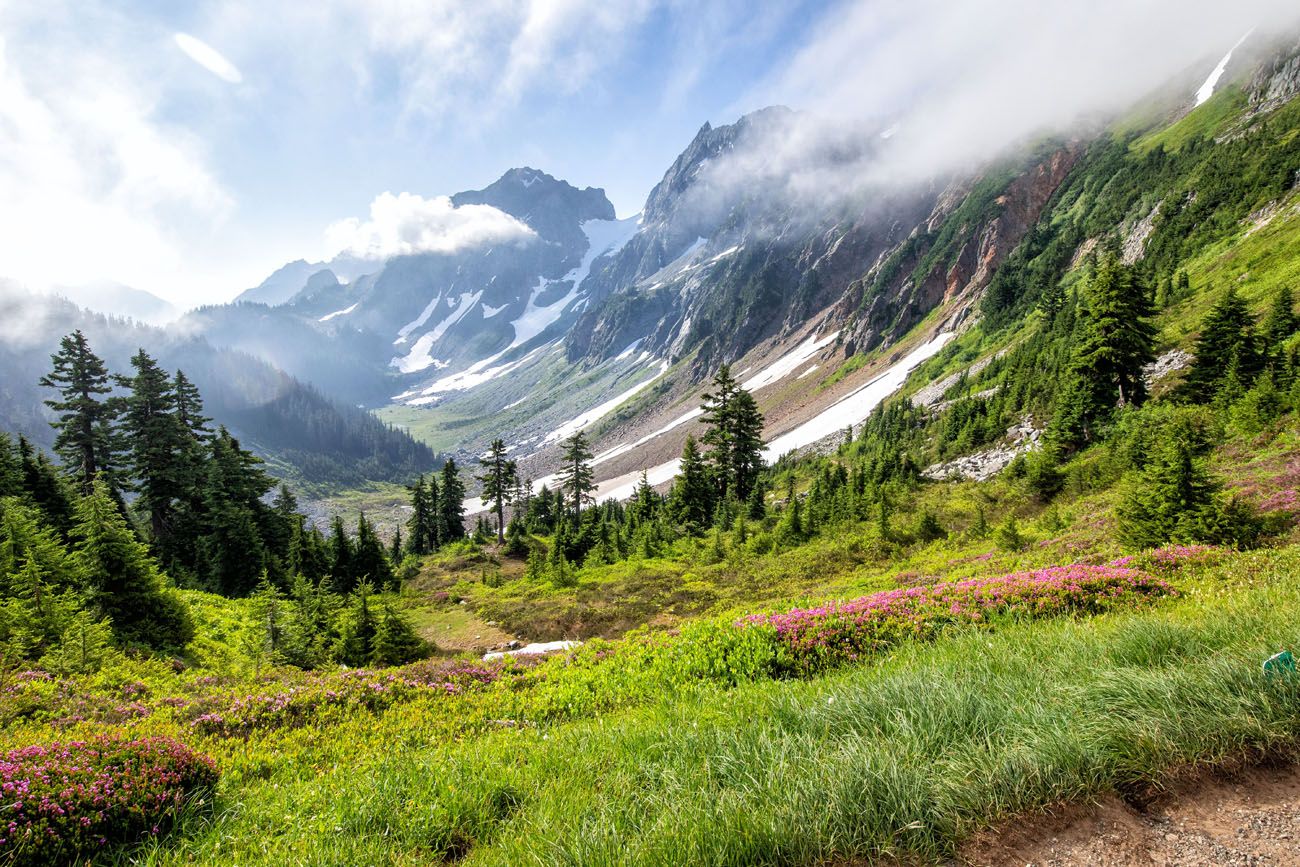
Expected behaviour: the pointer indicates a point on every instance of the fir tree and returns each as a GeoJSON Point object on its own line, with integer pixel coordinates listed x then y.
{"type": "Point", "coordinates": [156, 440]}
{"type": "Point", "coordinates": [189, 408]}
{"type": "Point", "coordinates": [498, 480]}
{"type": "Point", "coordinates": [734, 437]}
{"type": "Point", "coordinates": [576, 475]}
{"type": "Point", "coordinates": [422, 526]}
{"type": "Point", "coordinates": [1281, 321]}
{"type": "Point", "coordinates": [395, 547]}
{"type": "Point", "coordinates": [1117, 341]}
{"type": "Point", "coordinates": [123, 582]}
{"type": "Point", "coordinates": [451, 505]}
{"type": "Point", "coordinates": [84, 423]}
{"type": "Point", "coordinates": [692, 495]}
{"type": "Point", "coordinates": [396, 643]}
{"type": "Point", "coordinates": [369, 562]}
{"type": "Point", "coordinates": [340, 556]}
{"type": "Point", "coordinates": [357, 640]}
{"type": "Point", "coordinates": [267, 633]}
{"type": "Point", "coordinates": [1227, 336]}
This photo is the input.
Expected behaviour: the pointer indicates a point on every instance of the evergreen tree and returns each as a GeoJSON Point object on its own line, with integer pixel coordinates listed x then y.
{"type": "Point", "coordinates": [747, 445]}
{"type": "Point", "coordinates": [231, 549]}
{"type": "Point", "coordinates": [42, 483]}
{"type": "Point", "coordinates": [84, 424]}
{"type": "Point", "coordinates": [267, 634]}
{"type": "Point", "coordinates": [1169, 500]}
{"type": "Point", "coordinates": [576, 476]}
{"type": "Point", "coordinates": [734, 437]}
{"type": "Point", "coordinates": [1281, 321]}
{"type": "Point", "coordinates": [369, 562]}
{"type": "Point", "coordinates": [422, 526]}
{"type": "Point", "coordinates": [11, 468]}
{"type": "Point", "coordinates": [340, 556]}
{"type": "Point", "coordinates": [451, 505]}
{"type": "Point", "coordinates": [123, 582]}
{"type": "Point", "coordinates": [396, 643]}
{"type": "Point", "coordinates": [1227, 336]}
{"type": "Point", "coordinates": [357, 639]}
{"type": "Point", "coordinates": [1117, 341]}
{"type": "Point", "coordinates": [498, 480]}
{"type": "Point", "coordinates": [156, 441]}
{"type": "Point", "coordinates": [691, 501]}
{"type": "Point", "coordinates": [395, 547]}
{"type": "Point", "coordinates": [189, 408]}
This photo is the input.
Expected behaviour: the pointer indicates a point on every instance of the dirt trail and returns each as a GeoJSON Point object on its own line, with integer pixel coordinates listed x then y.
{"type": "Point", "coordinates": [1247, 818]}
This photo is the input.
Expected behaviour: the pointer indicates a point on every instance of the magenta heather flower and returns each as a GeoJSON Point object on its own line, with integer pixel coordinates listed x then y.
{"type": "Point", "coordinates": [838, 631]}
{"type": "Point", "coordinates": [63, 800]}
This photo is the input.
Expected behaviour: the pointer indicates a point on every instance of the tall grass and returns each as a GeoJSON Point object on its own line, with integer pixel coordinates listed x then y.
{"type": "Point", "coordinates": [906, 756]}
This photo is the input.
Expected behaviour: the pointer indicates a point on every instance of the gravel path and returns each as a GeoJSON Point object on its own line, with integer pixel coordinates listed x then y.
{"type": "Point", "coordinates": [1249, 818]}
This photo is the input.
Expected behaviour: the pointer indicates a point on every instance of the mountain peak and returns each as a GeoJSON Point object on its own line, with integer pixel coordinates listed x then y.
{"type": "Point", "coordinates": [554, 208]}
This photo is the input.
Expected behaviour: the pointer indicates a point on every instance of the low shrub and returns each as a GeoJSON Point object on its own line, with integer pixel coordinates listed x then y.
{"type": "Point", "coordinates": [838, 632]}
{"type": "Point", "coordinates": [60, 801]}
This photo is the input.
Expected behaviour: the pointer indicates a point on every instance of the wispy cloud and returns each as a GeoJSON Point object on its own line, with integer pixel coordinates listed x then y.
{"type": "Point", "coordinates": [208, 57]}
{"type": "Point", "coordinates": [92, 183]}
{"type": "Point", "coordinates": [406, 223]}
{"type": "Point", "coordinates": [963, 81]}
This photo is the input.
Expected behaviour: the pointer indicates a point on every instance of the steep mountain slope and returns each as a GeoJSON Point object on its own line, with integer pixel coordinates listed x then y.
{"type": "Point", "coordinates": [412, 319]}
{"type": "Point", "coordinates": [824, 315]}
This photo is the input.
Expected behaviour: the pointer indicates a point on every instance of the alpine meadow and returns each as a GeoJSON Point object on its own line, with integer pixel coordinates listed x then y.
{"type": "Point", "coordinates": [907, 474]}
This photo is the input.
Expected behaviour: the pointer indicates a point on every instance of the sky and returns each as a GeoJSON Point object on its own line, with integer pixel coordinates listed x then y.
{"type": "Point", "coordinates": [189, 149]}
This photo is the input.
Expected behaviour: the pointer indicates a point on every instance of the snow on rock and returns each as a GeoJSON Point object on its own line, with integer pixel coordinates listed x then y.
{"type": "Point", "coordinates": [786, 364]}
{"type": "Point", "coordinates": [603, 237]}
{"type": "Point", "coordinates": [591, 416]}
{"type": "Point", "coordinates": [854, 408]}
{"type": "Point", "coordinates": [533, 649]}
{"type": "Point", "coordinates": [476, 374]}
{"type": "Point", "coordinates": [344, 312]}
{"type": "Point", "coordinates": [489, 311]}
{"type": "Point", "coordinates": [419, 358]}
{"type": "Point", "coordinates": [418, 322]}
{"type": "Point", "coordinates": [810, 371]}
{"type": "Point", "coordinates": [1206, 90]}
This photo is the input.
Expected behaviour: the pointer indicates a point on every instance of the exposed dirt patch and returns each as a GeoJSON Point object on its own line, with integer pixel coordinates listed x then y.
{"type": "Point", "coordinates": [1250, 817]}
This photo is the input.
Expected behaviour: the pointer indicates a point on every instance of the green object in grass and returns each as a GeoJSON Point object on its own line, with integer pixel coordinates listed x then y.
{"type": "Point", "coordinates": [1280, 663]}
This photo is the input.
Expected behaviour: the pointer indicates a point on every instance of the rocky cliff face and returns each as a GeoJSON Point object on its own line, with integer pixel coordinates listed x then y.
{"type": "Point", "coordinates": [953, 254]}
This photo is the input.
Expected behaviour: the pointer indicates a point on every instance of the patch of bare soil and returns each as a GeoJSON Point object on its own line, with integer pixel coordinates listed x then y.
{"type": "Point", "coordinates": [1249, 817]}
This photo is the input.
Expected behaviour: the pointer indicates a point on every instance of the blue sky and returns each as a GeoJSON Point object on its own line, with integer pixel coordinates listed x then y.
{"type": "Point", "coordinates": [188, 149]}
{"type": "Point", "coordinates": [254, 130]}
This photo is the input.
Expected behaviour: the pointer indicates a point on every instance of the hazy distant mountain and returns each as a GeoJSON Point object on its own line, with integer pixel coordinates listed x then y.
{"type": "Point", "coordinates": [115, 299]}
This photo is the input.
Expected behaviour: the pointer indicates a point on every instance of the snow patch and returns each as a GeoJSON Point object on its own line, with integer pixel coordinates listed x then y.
{"type": "Point", "coordinates": [418, 322]}
{"type": "Point", "coordinates": [419, 358]}
{"type": "Point", "coordinates": [1206, 90]}
{"type": "Point", "coordinates": [540, 646]}
{"type": "Point", "coordinates": [809, 371]}
{"type": "Point", "coordinates": [344, 312]}
{"type": "Point", "coordinates": [603, 237]}
{"type": "Point", "coordinates": [854, 408]}
{"type": "Point", "coordinates": [489, 311]}
{"type": "Point", "coordinates": [591, 416]}
{"type": "Point", "coordinates": [786, 364]}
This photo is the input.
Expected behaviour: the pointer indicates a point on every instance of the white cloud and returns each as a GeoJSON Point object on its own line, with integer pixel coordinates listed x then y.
{"type": "Point", "coordinates": [406, 223]}
{"type": "Point", "coordinates": [964, 81]}
{"type": "Point", "coordinates": [208, 57]}
{"type": "Point", "coordinates": [439, 61]}
{"type": "Point", "coordinates": [92, 184]}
